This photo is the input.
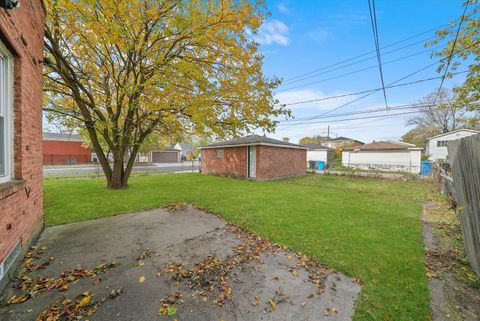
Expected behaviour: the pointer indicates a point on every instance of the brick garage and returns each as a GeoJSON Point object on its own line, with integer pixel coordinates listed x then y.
{"type": "Point", "coordinates": [21, 198]}
{"type": "Point", "coordinates": [254, 157]}
{"type": "Point", "coordinates": [61, 149]}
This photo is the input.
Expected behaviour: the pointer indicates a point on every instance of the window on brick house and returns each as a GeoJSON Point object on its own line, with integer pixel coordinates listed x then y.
{"type": "Point", "coordinates": [6, 111]}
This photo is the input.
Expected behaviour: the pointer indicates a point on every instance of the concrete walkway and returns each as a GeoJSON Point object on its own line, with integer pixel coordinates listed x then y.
{"type": "Point", "coordinates": [180, 263]}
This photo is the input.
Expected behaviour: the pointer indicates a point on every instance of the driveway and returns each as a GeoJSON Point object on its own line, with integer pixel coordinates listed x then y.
{"type": "Point", "coordinates": [174, 263]}
{"type": "Point", "coordinates": [158, 167]}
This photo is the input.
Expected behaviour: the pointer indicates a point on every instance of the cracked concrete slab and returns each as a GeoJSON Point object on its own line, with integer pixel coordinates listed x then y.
{"type": "Point", "coordinates": [266, 282]}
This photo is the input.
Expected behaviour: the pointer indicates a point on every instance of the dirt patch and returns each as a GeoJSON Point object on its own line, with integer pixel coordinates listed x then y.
{"type": "Point", "coordinates": [454, 287]}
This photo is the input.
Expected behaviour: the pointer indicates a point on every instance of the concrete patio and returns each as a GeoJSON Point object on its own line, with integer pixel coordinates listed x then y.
{"type": "Point", "coordinates": [175, 263]}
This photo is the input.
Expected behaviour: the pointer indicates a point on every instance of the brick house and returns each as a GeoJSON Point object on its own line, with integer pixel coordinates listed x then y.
{"type": "Point", "coordinates": [21, 197]}
{"type": "Point", "coordinates": [254, 157]}
{"type": "Point", "coordinates": [60, 148]}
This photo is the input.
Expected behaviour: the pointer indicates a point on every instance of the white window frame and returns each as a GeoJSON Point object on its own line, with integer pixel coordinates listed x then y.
{"type": "Point", "coordinates": [6, 110]}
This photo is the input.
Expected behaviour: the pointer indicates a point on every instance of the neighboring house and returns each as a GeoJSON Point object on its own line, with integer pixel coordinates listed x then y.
{"type": "Point", "coordinates": [186, 150]}
{"type": "Point", "coordinates": [254, 157]}
{"type": "Point", "coordinates": [436, 148]}
{"type": "Point", "coordinates": [317, 152]}
{"type": "Point", "coordinates": [384, 155]}
{"type": "Point", "coordinates": [61, 149]}
{"type": "Point", "coordinates": [341, 142]}
{"type": "Point", "coordinates": [166, 155]}
{"type": "Point", "coordinates": [21, 196]}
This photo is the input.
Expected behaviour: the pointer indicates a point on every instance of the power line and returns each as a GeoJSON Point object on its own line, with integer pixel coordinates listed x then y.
{"type": "Point", "coordinates": [362, 69]}
{"type": "Point", "coordinates": [419, 106]}
{"type": "Point", "coordinates": [367, 53]}
{"type": "Point", "coordinates": [359, 118]}
{"type": "Point", "coordinates": [370, 90]}
{"type": "Point", "coordinates": [370, 93]}
{"type": "Point", "coordinates": [398, 80]}
{"type": "Point", "coordinates": [373, 110]}
{"type": "Point", "coordinates": [373, 20]}
{"type": "Point", "coordinates": [451, 51]}
{"type": "Point", "coordinates": [322, 72]}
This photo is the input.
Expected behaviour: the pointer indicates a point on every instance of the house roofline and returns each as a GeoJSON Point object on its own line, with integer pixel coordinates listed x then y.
{"type": "Point", "coordinates": [253, 144]}
{"type": "Point", "coordinates": [380, 149]}
{"type": "Point", "coordinates": [454, 131]}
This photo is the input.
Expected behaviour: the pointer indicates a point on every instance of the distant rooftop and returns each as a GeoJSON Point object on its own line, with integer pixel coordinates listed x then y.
{"type": "Point", "coordinates": [315, 146]}
{"type": "Point", "coordinates": [384, 145]}
{"type": "Point", "coordinates": [341, 138]}
{"type": "Point", "coordinates": [456, 131]}
{"type": "Point", "coordinates": [252, 140]}
{"type": "Point", "coordinates": [64, 137]}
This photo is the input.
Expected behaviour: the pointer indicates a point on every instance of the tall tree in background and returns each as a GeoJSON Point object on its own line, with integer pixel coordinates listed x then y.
{"type": "Point", "coordinates": [124, 69]}
{"type": "Point", "coordinates": [447, 114]}
{"type": "Point", "coordinates": [467, 47]}
{"type": "Point", "coordinates": [317, 139]}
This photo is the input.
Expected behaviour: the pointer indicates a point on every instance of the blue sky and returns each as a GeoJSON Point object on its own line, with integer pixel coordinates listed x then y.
{"type": "Point", "coordinates": [302, 36]}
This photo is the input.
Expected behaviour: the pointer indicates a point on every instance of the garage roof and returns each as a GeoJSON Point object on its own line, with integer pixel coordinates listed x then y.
{"type": "Point", "coordinates": [316, 147]}
{"type": "Point", "coordinates": [252, 140]}
{"type": "Point", "coordinates": [385, 145]}
{"type": "Point", "coordinates": [64, 137]}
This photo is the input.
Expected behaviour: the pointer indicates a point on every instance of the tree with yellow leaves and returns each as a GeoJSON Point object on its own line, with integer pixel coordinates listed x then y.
{"type": "Point", "coordinates": [123, 70]}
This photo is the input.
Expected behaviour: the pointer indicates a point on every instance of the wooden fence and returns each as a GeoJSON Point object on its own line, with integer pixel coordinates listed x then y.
{"type": "Point", "coordinates": [464, 156]}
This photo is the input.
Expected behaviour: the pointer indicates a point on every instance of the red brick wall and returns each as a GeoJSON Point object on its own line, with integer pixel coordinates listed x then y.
{"type": "Point", "coordinates": [21, 200]}
{"type": "Point", "coordinates": [277, 162]}
{"type": "Point", "coordinates": [233, 163]}
{"type": "Point", "coordinates": [272, 162]}
{"type": "Point", "coordinates": [62, 152]}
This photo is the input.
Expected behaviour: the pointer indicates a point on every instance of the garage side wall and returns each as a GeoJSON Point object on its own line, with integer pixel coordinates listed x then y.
{"type": "Point", "coordinates": [62, 152]}
{"type": "Point", "coordinates": [394, 160]}
{"type": "Point", "coordinates": [233, 163]}
{"type": "Point", "coordinates": [278, 162]}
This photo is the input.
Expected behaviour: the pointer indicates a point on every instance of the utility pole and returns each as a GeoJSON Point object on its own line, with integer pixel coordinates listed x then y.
{"type": "Point", "coordinates": [328, 131]}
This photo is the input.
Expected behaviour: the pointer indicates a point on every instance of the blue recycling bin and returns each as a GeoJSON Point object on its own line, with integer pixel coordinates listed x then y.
{"type": "Point", "coordinates": [427, 168]}
{"type": "Point", "coordinates": [320, 165]}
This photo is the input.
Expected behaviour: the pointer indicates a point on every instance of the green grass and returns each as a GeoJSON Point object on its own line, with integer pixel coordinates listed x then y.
{"type": "Point", "coordinates": [366, 228]}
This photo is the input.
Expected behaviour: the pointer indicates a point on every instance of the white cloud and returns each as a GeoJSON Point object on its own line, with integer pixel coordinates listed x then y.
{"type": "Point", "coordinates": [363, 130]}
{"type": "Point", "coordinates": [319, 35]}
{"type": "Point", "coordinates": [307, 95]}
{"type": "Point", "coordinates": [272, 31]}
{"type": "Point", "coordinates": [388, 128]}
{"type": "Point", "coordinates": [283, 8]}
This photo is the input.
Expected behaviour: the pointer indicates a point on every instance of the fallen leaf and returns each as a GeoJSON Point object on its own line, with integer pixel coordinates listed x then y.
{"type": "Point", "coordinates": [255, 301]}
{"type": "Point", "coordinates": [19, 299]}
{"type": "Point", "coordinates": [167, 309]}
{"type": "Point", "coordinates": [84, 301]}
{"type": "Point", "coordinates": [141, 279]}
{"type": "Point", "coordinates": [272, 304]}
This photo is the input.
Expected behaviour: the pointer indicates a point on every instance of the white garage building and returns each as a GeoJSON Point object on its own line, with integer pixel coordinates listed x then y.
{"type": "Point", "coordinates": [384, 155]}
{"type": "Point", "coordinates": [436, 148]}
{"type": "Point", "coordinates": [317, 152]}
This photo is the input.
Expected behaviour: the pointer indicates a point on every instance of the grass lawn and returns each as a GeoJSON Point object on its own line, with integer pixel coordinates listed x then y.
{"type": "Point", "coordinates": [367, 228]}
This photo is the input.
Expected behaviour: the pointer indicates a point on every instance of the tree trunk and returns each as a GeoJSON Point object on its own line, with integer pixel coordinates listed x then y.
{"type": "Point", "coordinates": [117, 181]}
